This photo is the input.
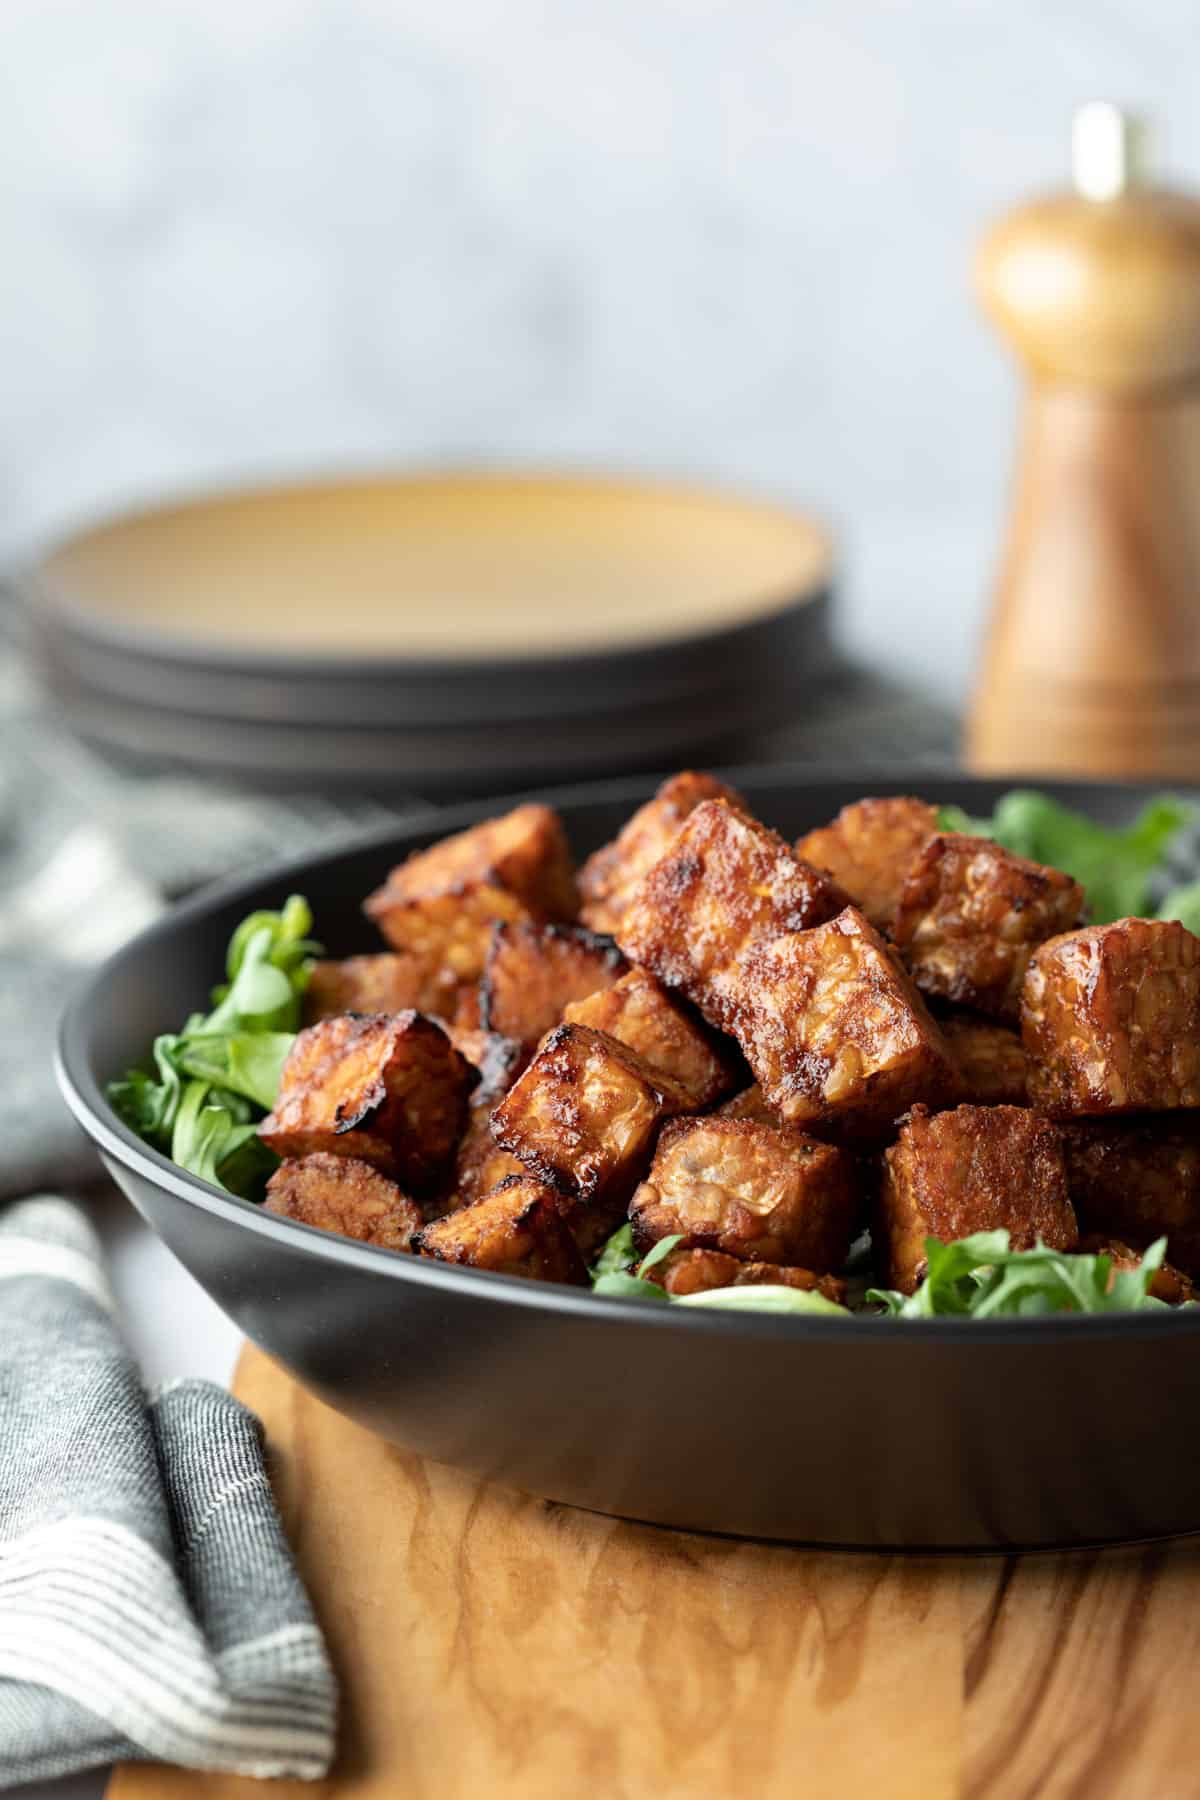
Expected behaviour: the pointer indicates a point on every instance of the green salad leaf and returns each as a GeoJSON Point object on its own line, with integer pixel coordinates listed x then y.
{"type": "Point", "coordinates": [980, 1277]}
{"type": "Point", "coordinates": [1113, 867]}
{"type": "Point", "coordinates": [1183, 903]}
{"type": "Point", "coordinates": [212, 1081]}
{"type": "Point", "coordinates": [763, 1299]}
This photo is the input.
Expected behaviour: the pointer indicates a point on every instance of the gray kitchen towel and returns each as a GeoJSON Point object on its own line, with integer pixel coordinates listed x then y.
{"type": "Point", "coordinates": [149, 1606]}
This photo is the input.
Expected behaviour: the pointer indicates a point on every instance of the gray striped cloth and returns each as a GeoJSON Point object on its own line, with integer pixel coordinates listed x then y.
{"type": "Point", "coordinates": [149, 1606]}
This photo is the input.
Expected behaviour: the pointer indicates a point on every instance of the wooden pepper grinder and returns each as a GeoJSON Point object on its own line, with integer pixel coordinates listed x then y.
{"type": "Point", "coordinates": [1092, 664]}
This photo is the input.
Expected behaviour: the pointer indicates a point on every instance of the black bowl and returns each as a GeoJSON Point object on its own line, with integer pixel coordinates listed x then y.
{"type": "Point", "coordinates": [864, 1432]}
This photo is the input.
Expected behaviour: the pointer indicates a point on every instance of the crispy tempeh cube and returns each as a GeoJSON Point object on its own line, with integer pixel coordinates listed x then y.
{"type": "Point", "coordinates": [750, 1104]}
{"type": "Point", "coordinates": [1111, 1019]}
{"type": "Point", "coordinates": [975, 1168]}
{"type": "Point", "coordinates": [971, 914]}
{"type": "Point", "coordinates": [533, 972]}
{"type": "Point", "coordinates": [699, 1271]}
{"type": "Point", "coordinates": [389, 1088]}
{"type": "Point", "coordinates": [480, 1164]}
{"type": "Point", "coordinates": [499, 1061]}
{"type": "Point", "coordinates": [990, 1059]}
{"type": "Point", "coordinates": [1167, 1283]}
{"type": "Point", "coordinates": [341, 1193]}
{"type": "Point", "coordinates": [363, 984]}
{"type": "Point", "coordinates": [517, 1229]}
{"type": "Point", "coordinates": [1138, 1179]}
{"type": "Point", "coordinates": [640, 1012]}
{"type": "Point", "coordinates": [835, 1031]}
{"type": "Point", "coordinates": [869, 849]}
{"type": "Point", "coordinates": [584, 1114]}
{"type": "Point", "coordinates": [756, 1193]}
{"type": "Point", "coordinates": [726, 885]}
{"type": "Point", "coordinates": [441, 904]}
{"type": "Point", "coordinates": [608, 878]}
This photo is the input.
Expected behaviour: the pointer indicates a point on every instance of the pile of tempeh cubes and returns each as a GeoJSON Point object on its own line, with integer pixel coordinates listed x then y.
{"type": "Point", "coordinates": [757, 1049]}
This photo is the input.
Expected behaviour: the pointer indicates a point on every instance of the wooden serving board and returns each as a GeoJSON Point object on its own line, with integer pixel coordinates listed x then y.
{"type": "Point", "coordinates": [495, 1646]}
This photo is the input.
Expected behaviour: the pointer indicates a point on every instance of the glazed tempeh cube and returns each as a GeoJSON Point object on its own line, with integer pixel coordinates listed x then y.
{"type": "Point", "coordinates": [869, 849]}
{"type": "Point", "coordinates": [584, 1114]}
{"type": "Point", "coordinates": [835, 1031]}
{"type": "Point", "coordinates": [1111, 1019]}
{"type": "Point", "coordinates": [517, 1229]}
{"type": "Point", "coordinates": [340, 1193]}
{"type": "Point", "coordinates": [700, 1271]}
{"type": "Point", "coordinates": [363, 984]}
{"type": "Point", "coordinates": [1138, 1179]}
{"type": "Point", "coordinates": [970, 916]}
{"type": "Point", "coordinates": [608, 879]}
{"type": "Point", "coordinates": [726, 885]}
{"type": "Point", "coordinates": [441, 904]}
{"type": "Point", "coordinates": [479, 1163]}
{"type": "Point", "coordinates": [976, 1168]}
{"type": "Point", "coordinates": [750, 1104]}
{"type": "Point", "coordinates": [756, 1193]}
{"type": "Point", "coordinates": [533, 972]}
{"type": "Point", "coordinates": [498, 1060]}
{"type": "Point", "coordinates": [389, 1088]}
{"type": "Point", "coordinates": [640, 1012]}
{"type": "Point", "coordinates": [990, 1059]}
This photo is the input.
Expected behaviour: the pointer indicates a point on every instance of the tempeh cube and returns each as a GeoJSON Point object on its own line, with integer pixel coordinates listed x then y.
{"type": "Point", "coordinates": [756, 1193]}
{"type": "Point", "coordinates": [608, 879]}
{"type": "Point", "coordinates": [835, 1031]}
{"type": "Point", "coordinates": [1111, 1019]}
{"type": "Point", "coordinates": [517, 1229]}
{"type": "Point", "coordinates": [389, 1088]}
{"type": "Point", "coordinates": [700, 1271]}
{"type": "Point", "coordinates": [1138, 1179]}
{"type": "Point", "coordinates": [750, 1104]}
{"type": "Point", "coordinates": [970, 915]}
{"type": "Point", "coordinates": [639, 1011]}
{"type": "Point", "coordinates": [480, 1164]}
{"type": "Point", "coordinates": [498, 1060]}
{"type": "Point", "coordinates": [726, 885]}
{"type": "Point", "coordinates": [441, 904]}
{"type": "Point", "coordinates": [340, 1193]}
{"type": "Point", "coordinates": [975, 1168]}
{"type": "Point", "coordinates": [533, 972]}
{"type": "Point", "coordinates": [869, 849]}
{"type": "Point", "coordinates": [1167, 1283]}
{"type": "Point", "coordinates": [363, 984]}
{"type": "Point", "coordinates": [990, 1059]}
{"type": "Point", "coordinates": [584, 1114]}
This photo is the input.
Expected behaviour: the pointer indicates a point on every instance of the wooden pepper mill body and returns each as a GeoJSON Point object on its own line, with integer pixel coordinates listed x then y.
{"type": "Point", "coordinates": [1092, 663]}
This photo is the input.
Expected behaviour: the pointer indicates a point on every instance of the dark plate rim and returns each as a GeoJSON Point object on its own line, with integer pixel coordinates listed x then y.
{"type": "Point", "coordinates": [90, 1108]}
{"type": "Point", "coordinates": [38, 591]}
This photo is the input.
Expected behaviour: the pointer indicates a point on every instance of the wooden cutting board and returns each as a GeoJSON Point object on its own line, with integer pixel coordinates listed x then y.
{"type": "Point", "coordinates": [493, 1646]}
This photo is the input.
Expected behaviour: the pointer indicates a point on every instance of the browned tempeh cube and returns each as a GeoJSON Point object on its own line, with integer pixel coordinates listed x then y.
{"type": "Point", "coordinates": [480, 1164]}
{"type": "Point", "coordinates": [1138, 1179]}
{"type": "Point", "coordinates": [970, 915]}
{"type": "Point", "coordinates": [363, 984]}
{"type": "Point", "coordinates": [640, 1012]}
{"type": "Point", "coordinates": [340, 1193]}
{"type": "Point", "coordinates": [990, 1059]}
{"type": "Point", "coordinates": [584, 1114]}
{"type": "Point", "coordinates": [726, 885]}
{"type": "Point", "coordinates": [389, 1088]}
{"type": "Point", "coordinates": [756, 1193]}
{"type": "Point", "coordinates": [440, 905]}
{"type": "Point", "coordinates": [750, 1104]}
{"type": "Point", "coordinates": [533, 972]}
{"type": "Point", "coordinates": [1167, 1283]}
{"type": "Point", "coordinates": [499, 1060]}
{"type": "Point", "coordinates": [835, 1031]}
{"type": "Point", "coordinates": [1110, 1019]}
{"type": "Point", "coordinates": [869, 849]}
{"type": "Point", "coordinates": [608, 878]}
{"type": "Point", "coordinates": [975, 1168]}
{"type": "Point", "coordinates": [517, 1229]}
{"type": "Point", "coordinates": [698, 1271]}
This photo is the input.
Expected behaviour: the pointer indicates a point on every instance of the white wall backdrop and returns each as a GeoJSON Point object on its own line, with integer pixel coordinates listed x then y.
{"type": "Point", "coordinates": [729, 240]}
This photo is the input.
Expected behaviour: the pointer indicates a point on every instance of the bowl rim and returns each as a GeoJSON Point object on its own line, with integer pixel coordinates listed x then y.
{"type": "Point", "coordinates": [90, 1108]}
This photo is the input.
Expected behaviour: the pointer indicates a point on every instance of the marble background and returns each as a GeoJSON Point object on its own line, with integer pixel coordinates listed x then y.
{"type": "Point", "coordinates": [729, 240]}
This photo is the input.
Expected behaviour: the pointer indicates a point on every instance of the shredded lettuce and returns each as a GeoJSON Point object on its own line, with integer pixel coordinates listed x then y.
{"type": "Point", "coordinates": [212, 1081]}
{"type": "Point", "coordinates": [980, 1277]}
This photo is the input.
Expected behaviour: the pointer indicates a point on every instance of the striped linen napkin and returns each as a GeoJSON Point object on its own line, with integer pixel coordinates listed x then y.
{"type": "Point", "coordinates": [149, 1607]}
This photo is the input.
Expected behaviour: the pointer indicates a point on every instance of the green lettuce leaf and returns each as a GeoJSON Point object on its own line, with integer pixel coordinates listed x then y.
{"type": "Point", "coordinates": [1183, 903]}
{"type": "Point", "coordinates": [763, 1299]}
{"type": "Point", "coordinates": [980, 1277]}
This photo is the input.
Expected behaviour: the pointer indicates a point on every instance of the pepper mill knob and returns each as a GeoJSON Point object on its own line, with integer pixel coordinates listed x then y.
{"type": "Point", "coordinates": [1092, 663]}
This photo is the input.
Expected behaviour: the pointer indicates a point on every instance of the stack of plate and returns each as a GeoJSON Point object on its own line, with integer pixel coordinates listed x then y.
{"type": "Point", "coordinates": [440, 634]}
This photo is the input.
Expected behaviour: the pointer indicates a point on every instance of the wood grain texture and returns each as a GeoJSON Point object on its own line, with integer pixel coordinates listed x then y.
{"type": "Point", "coordinates": [493, 1645]}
